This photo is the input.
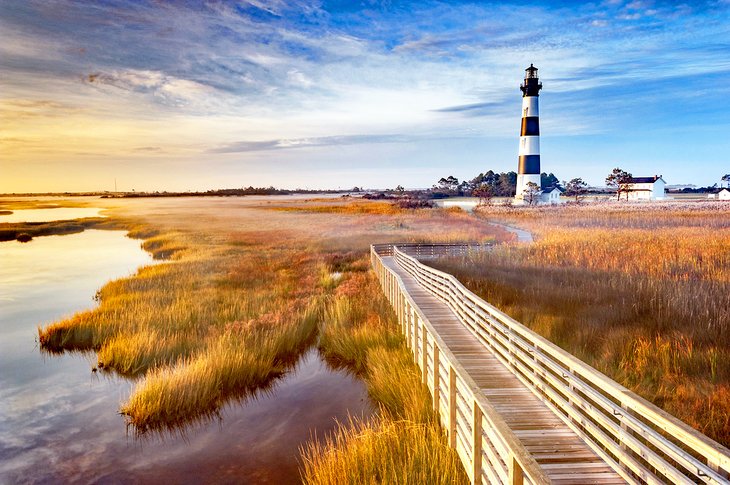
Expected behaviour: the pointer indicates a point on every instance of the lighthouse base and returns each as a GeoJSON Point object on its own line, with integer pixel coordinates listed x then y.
{"type": "Point", "coordinates": [522, 180]}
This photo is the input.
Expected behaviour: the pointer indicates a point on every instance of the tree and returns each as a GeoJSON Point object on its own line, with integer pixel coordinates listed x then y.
{"type": "Point", "coordinates": [576, 188]}
{"type": "Point", "coordinates": [400, 189]}
{"type": "Point", "coordinates": [548, 180]}
{"type": "Point", "coordinates": [726, 178]}
{"type": "Point", "coordinates": [485, 192]}
{"type": "Point", "coordinates": [620, 180]}
{"type": "Point", "coordinates": [507, 184]}
{"type": "Point", "coordinates": [449, 184]}
{"type": "Point", "coordinates": [532, 193]}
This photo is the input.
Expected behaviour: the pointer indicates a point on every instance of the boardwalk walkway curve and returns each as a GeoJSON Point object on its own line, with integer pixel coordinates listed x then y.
{"type": "Point", "coordinates": [517, 408]}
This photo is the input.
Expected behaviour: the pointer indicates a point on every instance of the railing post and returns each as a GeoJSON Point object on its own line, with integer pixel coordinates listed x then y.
{"type": "Point", "coordinates": [424, 353]}
{"type": "Point", "coordinates": [516, 477]}
{"type": "Point", "coordinates": [476, 428]}
{"type": "Point", "coordinates": [413, 336]}
{"type": "Point", "coordinates": [452, 407]}
{"type": "Point", "coordinates": [436, 379]}
{"type": "Point", "coordinates": [406, 321]}
{"type": "Point", "coordinates": [714, 463]}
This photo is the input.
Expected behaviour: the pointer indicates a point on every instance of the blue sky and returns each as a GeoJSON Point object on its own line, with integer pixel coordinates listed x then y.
{"type": "Point", "coordinates": [192, 95]}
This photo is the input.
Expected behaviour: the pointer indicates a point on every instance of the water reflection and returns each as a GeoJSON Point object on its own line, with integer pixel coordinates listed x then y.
{"type": "Point", "coordinates": [52, 214]}
{"type": "Point", "coordinates": [60, 423]}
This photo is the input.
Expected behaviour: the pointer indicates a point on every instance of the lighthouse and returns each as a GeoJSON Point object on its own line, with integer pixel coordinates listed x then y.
{"type": "Point", "coordinates": [529, 153]}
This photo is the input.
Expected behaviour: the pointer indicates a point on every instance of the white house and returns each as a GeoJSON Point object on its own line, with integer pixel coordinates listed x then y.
{"type": "Point", "coordinates": [646, 188]}
{"type": "Point", "coordinates": [724, 194]}
{"type": "Point", "coordinates": [551, 196]}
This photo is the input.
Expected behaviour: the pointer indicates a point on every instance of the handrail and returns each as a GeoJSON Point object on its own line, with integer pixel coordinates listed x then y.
{"type": "Point", "coordinates": [422, 250]}
{"type": "Point", "coordinates": [489, 449]}
{"type": "Point", "coordinates": [643, 443]}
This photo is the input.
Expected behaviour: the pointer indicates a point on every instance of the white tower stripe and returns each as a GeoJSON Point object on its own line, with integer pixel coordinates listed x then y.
{"type": "Point", "coordinates": [529, 145]}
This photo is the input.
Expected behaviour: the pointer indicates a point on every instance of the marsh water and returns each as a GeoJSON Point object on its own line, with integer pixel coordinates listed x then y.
{"type": "Point", "coordinates": [59, 421]}
{"type": "Point", "coordinates": [50, 214]}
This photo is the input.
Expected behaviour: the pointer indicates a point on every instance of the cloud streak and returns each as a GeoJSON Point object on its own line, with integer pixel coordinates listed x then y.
{"type": "Point", "coordinates": [324, 141]}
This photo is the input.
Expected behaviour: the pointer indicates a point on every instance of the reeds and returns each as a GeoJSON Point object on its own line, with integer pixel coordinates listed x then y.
{"type": "Point", "coordinates": [206, 328]}
{"type": "Point", "coordinates": [382, 451]}
{"type": "Point", "coordinates": [241, 294]}
{"type": "Point", "coordinates": [404, 443]}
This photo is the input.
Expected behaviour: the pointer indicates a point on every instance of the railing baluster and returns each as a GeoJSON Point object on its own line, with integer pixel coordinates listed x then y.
{"type": "Point", "coordinates": [516, 477]}
{"type": "Point", "coordinates": [424, 353]}
{"type": "Point", "coordinates": [436, 378]}
{"type": "Point", "coordinates": [476, 428]}
{"type": "Point", "coordinates": [452, 407]}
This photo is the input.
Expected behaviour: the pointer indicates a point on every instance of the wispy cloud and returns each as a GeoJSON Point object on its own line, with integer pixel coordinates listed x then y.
{"type": "Point", "coordinates": [324, 141]}
{"type": "Point", "coordinates": [476, 109]}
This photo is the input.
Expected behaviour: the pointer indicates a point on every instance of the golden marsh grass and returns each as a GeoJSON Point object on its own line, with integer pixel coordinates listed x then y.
{"type": "Point", "coordinates": [240, 294]}
{"type": "Point", "coordinates": [404, 443]}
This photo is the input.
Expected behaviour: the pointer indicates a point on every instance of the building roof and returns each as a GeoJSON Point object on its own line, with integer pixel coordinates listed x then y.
{"type": "Point", "coordinates": [646, 180]}
{"type": "Point", "coordinates": [552, 189]}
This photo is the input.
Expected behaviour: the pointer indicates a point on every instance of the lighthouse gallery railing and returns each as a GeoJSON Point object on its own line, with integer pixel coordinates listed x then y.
{"type": "Point", "coordinates": [640, 441]}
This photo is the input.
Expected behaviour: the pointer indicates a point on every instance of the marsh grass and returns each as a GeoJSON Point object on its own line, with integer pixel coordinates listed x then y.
{"type": "Point", "coordinates": [351, 207]}
{"type": "Point", "coordinates": [649, 304]}
{"type": "Point", "coordinates": [14, 230]}
{"type": "Point", "coordinates": [205, 328]}
{"type": "Point", "coordinates": [382, 451]}
{"type": "Point", "coordinates": [404, 443]}
{"type": "Point", "coordinates": [241, 293]}
{"type": "Point", "coordinates": [234, 366]}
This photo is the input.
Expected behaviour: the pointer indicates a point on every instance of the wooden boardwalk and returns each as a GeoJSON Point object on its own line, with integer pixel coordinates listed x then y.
{"type": "Point", "coordinates": [517, 408]}
{"type": "Point", "coordinates": [559, 451]}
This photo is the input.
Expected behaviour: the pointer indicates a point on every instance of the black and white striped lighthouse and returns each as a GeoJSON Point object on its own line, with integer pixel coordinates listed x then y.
{"type": "Point", "coordinates": [529, 153]}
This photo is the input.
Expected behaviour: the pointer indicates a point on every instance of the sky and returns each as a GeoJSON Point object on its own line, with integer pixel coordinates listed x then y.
{"type": "Point", "coordinates": [184, 95]}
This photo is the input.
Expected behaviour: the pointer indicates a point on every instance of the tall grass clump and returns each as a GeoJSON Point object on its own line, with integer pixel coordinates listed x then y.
{"type": "Point", "coordinates": [211, 326]}
{"type": "Point", "coordinates": [382, 451]}
{"type": "Point", "coordinates": [238, 363]}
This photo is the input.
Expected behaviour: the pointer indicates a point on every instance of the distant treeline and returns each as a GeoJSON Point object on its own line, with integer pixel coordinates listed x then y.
{"type": "Point", "coordinates": [229, 192]}
{"type": "Point", "coordinates": [502, 184]}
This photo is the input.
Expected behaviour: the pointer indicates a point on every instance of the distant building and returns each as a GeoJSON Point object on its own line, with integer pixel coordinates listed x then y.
{"type": "Point", "coordinates": [724, 194]}
{"type": "Point", "coordinates": [551, 196]}
{"type": "Point", "coordinates": [646, 188]}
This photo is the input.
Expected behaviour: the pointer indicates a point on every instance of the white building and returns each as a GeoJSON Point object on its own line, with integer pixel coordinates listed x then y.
{"type": "Point", "coordinates": [551, 196]}
{"type": "Point", "coordinates": [724, 194]}
{"type": "Point", "coordinates": [646, 188]}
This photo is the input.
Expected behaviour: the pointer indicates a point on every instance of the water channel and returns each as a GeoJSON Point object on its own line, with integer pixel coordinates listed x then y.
{"type": "Point", "coordinates": [59, 421]}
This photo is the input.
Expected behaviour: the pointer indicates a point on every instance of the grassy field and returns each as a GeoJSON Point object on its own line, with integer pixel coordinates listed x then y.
{"type": "Point", "coordinates": [404, 442]}
{"type": "Point", "coordinates": [245, 287]}
{"type": "Point", "coordinates": [641, 292]}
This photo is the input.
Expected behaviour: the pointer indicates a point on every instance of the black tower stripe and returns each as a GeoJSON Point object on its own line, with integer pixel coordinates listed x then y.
{"type": "Point", "coordinates": [530, 126]}
{"type": "Point", "coordinates": [529, 164]}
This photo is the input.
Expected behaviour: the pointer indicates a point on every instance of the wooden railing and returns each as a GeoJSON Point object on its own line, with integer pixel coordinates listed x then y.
{"type": "Point", "coordinates": [425, 251]}
{"type": "Point", "coordinates": [640, 441]}
{"type": "Point", "coordinates": [490, 451]}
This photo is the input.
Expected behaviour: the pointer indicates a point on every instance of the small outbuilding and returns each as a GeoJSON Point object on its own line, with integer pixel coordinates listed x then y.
{"type": "Point", "coordinates": [551, 196]}
{"type": "Point", "coordinates": [646, 188]}
{"type": "Point", "coordinates": [724, 194]}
